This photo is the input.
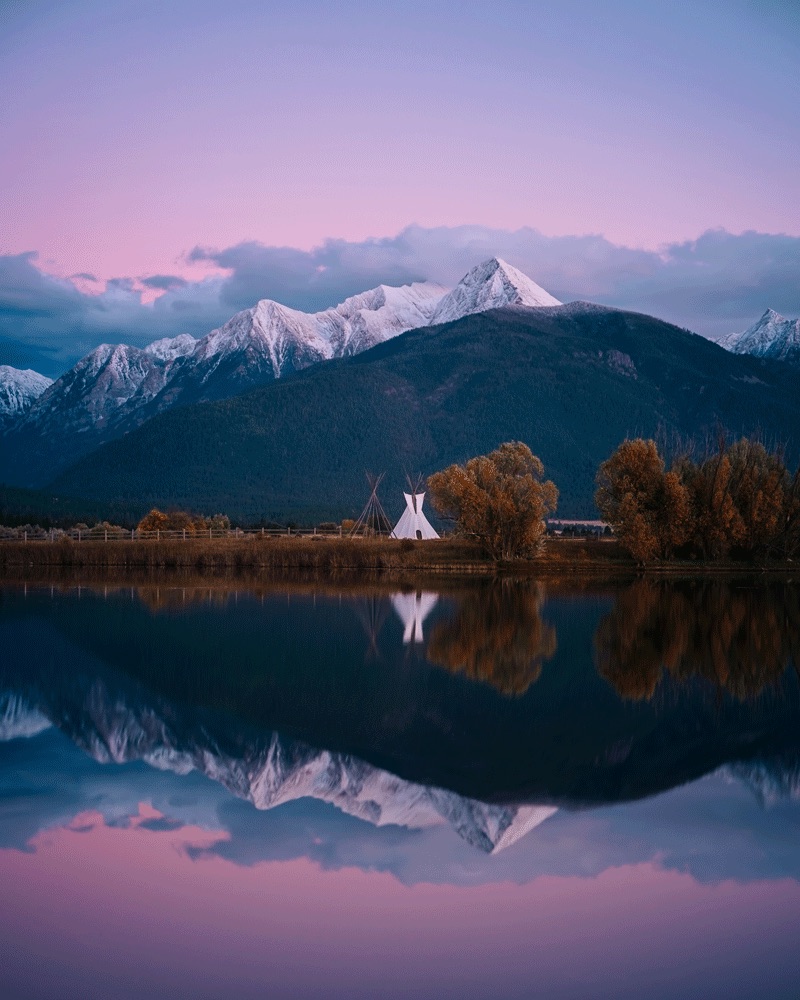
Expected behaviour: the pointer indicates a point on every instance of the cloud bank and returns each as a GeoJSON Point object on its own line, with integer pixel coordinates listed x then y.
{"type": "Point", "coordinates": [713, 285]}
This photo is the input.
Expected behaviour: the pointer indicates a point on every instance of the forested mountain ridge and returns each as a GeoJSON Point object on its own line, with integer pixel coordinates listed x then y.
{"type": "Point", "coordinates": [570, 381]}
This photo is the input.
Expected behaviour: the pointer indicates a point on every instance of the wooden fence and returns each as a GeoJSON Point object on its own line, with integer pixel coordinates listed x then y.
{"type": "Point", "coordinates": [181, 534]}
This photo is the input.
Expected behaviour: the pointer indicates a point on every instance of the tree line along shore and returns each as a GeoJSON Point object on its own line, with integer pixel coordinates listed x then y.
{"type": "Point", "coordinates": [735, 505]}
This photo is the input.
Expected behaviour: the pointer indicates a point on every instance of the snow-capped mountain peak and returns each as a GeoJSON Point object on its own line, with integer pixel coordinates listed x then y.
{"type": "Point", "coordinates": [19, 388]}
{"type": "Point", "coordinates": [772, 336]}
{"type": "Point", "coordinates": [284, 338]}
{"type": "Point", "coordinates": [491, 285]}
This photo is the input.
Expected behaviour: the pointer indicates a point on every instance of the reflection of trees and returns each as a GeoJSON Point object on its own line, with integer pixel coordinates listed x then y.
{"type": "Point", "coordinates": [739, 638]}
{"type": "Point", "coordinates": [496, 635]}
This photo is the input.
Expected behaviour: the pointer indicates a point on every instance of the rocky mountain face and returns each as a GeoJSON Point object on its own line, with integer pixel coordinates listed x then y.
{"type": "Point", "coordinates": [116, 388]}
{"type": "Point", "coordinates": [773, 336]}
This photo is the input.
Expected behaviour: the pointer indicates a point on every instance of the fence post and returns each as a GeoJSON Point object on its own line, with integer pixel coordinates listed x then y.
{"type": "Point", "coordinates": [105, 533]}
{"type": "Point", "coordinates": [132, 530]}
{"type": "Point", "coordinates": [184, 534]}
{"type": "Point", "coordinates": [158, 534]}
{"type": "Point", "coordinates": [26, 536]}
{"type": "Point", "coordinates": [79, 534]}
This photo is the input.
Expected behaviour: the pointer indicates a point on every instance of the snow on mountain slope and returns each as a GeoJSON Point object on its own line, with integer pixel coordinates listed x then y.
{"type": "Point", "coordinates": [491, 285]}
{"type": "Point", "coordinates": [19, 388]}
{"type": "Point", "coordinates": [385, 312]}
{"type": "Point", "coordinates": [773, 336]}
{"type": "Point", "coordinates": [172, 347]}
{"type": "Point", "coordinates": [287, 338]}
{"type": "Point", "coordinates": [112, 379]}
{"type": "Point", "coordinates": [113, 727]}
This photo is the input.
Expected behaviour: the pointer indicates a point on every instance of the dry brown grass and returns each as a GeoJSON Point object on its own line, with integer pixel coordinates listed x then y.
{"type": "Point", "coordinates": [293, 557]}
{"type": "Point", "coordinates": [249, 552]}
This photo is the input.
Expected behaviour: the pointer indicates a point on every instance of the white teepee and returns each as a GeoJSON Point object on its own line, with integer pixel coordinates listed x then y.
{"type": "Point", "coordinates": [413, 523]}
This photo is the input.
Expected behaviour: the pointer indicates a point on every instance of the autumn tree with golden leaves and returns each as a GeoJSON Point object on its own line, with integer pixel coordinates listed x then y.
{"type": "Point", "coordinates": [739, 502]}
{"type": "Point", "coordinates": [176, 520]}
{"type": "Point", "coordinates": [649, 509]}
{"type": "Point", "coordinates": [501, 499]}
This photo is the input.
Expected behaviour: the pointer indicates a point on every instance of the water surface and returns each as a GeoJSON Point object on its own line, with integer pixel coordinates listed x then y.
{"type": "Point", "coordinates": [508, 789]}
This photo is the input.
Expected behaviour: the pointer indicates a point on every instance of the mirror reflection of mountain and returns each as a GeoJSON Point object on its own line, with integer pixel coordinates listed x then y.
{"type": "Point", "coordinates": [496, 635]}
{"type": "Point", "coordinates": [120, 724]}
{"type": "Point", "coordinates": [331, 671]}
{"type": "Point", "coordinates": [737, 637]}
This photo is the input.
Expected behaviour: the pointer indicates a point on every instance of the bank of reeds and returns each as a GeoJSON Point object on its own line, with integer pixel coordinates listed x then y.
{"type": "Point", "coordinates": [310, 554]}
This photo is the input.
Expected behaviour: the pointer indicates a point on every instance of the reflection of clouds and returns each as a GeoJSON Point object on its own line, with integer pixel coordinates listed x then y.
{"type": "Point", "coordinates": [413, 609]}
{"type": "Point", "coordinates": [714, 829]}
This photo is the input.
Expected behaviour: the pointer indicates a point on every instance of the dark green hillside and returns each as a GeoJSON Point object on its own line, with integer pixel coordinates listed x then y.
{"type": "Point", "coordinates": [571, 382]}
{"type": "Point", "coordinates": [20, 506]}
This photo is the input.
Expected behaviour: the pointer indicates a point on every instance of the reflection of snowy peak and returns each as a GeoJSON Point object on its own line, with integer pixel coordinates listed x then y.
{"type": "Point", "coordinates": [491, 285]}
{"type": "Point", "coordinates": [19, 388]}
{"type": "Point", "coordinates": [772, 336]}
{"type": "Point", "coordinates": [18, 719]}
{"type": "Point", "coordinates": [769, 780]}
{"type": "Point", "coordinates": [269, 772]}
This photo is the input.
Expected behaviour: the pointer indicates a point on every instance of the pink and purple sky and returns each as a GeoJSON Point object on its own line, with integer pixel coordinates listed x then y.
{"type": "Point", "coordinates": [167, 164]}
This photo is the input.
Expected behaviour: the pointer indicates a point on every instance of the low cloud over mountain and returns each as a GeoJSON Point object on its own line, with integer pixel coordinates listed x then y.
{"type": "Point", "coordinates": [714, 285]}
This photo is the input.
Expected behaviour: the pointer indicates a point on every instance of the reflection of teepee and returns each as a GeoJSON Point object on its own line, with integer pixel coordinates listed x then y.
{"type": "Point", "coordinates": [413, 609]}
{"type": "Point", "coordinates": [373, 520]}
{"type": "Point", "coordinates": [372, 613]}
{"type": "Point", "coordinates": [413, 523]}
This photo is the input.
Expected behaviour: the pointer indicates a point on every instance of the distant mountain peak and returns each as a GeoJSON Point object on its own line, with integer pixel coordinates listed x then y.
{"type": "Point", "coordinates": [19, 389]}
{"type": "Point", "coordinates": [492, 284]}
{"type": "Point", "coordinates": [772, 336]}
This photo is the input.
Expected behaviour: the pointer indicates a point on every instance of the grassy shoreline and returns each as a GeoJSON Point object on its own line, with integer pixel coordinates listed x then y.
{"type": "Point", "coordinates": [303, 553]}
{"type": "Point", "coordinates": [367, 558]}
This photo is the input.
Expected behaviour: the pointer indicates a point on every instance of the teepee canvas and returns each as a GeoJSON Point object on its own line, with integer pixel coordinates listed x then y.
{"type": "Point", "coordinates": [413, 523]}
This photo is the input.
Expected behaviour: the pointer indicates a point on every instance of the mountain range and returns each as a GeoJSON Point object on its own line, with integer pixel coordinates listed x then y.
{"type": "Point", "coordinates": [571, 381]}
{"type": "Point", "coordinates": [498, 377]}
{"type": "Point", "coordinates": [115, 388]}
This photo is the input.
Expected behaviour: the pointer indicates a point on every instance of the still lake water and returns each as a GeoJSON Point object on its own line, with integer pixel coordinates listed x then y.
{"type": "Point", "coordinates": [513, 790]}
